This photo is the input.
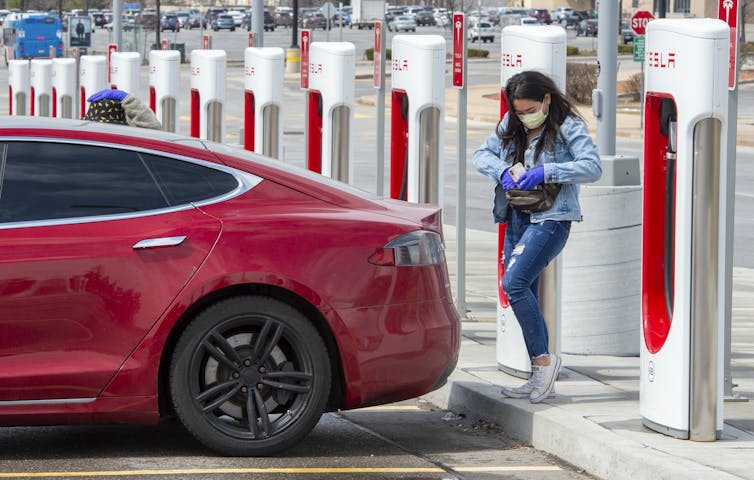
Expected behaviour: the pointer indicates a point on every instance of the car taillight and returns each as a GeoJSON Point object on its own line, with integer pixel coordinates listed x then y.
{"type": "Point", "coordinates": [417, 248]}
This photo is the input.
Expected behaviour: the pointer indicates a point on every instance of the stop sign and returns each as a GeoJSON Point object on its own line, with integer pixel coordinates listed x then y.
{"type": "Point", "coordinates": [639, 21]}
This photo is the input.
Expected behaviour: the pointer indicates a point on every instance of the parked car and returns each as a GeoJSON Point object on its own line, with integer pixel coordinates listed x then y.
{"type": "Point", "coordinates": [314, 20]}
{"type": "Point", "coordinates": [587, 28]}
{"type": "Point", "coordinates": [147, 20]}
{"type": "Point", "coordinates": [170, 22]}
{"type": "Point", "coordinates": [482, 31]}
{"type": "Point", "coordinates": [223, 21]}
{"type": "Point", "coordinates": [402, 23]}
{"type": "Point", "coordinates": [627, 33]}
{"type": "Point", "coordinates": [183, 18]}
{"type": "Point", "coordinates": [268, 25]}
{"type": "Point", "coordinates": [238, 17]}
{"type": "Point", "coordinates": [283, 18]}
{"type": "Point", "coordinates": [425, 18]}
{"type": "Point", "coordinates": [565, 16]}
{"type": "Point", "coordinates": [194, 21]}
{"type": "Point", "coordinates": [541, 14]}
{"type": "Point", "coordinates": [101, 19]}
{"type": "Point", "coordinates": [128, 274]}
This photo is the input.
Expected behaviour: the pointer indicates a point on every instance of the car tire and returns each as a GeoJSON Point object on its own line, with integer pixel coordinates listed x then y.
{"type": "Point", "coordinates": [250, 353]}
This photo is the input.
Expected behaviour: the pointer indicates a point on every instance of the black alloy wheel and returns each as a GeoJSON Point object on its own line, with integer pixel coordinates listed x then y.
{"type": "Point", "coordinates": [250, 376]}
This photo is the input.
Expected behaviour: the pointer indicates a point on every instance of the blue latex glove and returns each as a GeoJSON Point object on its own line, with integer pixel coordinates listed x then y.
{"type": "Point", "coordinates": [109, 94]}
{"type": "Point", "coordinates": [506, 181]}
{"type": "Point", "coordinates": [531, 178]}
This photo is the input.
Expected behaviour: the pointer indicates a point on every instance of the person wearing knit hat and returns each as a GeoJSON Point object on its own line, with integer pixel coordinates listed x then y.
{"type": "Point", "coordinates": [117, 106]}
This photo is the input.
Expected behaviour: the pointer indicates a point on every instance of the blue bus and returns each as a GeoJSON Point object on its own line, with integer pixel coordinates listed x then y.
{"type": "Point", "coordinates": [32, 37]}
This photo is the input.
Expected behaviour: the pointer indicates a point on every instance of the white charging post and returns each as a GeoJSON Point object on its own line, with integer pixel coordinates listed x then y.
{"type": "Point", "coordinates": [263, 99]}
{"type": "Point", "coordinates": [63, 87]}
{"type": "Point", "coordinates": [124, 71]}
{"type": "Point", "coordinates": [417, 118]}
{"type": "Point", "coordinates": [92, 78]}
{"type": "Point", "coordinates": [540, 48]}
{"type": "Point", "coordinates": [40, 84]}
{"type": "Point", "coordinates": [684, 227]}
{"type": "Point", "coordinates": [18, 87]}
{"type": "Point", "coordinates": [164, 76]}
{"type": "Point", "coordinates": [208, 94]}
{"type": "Point", "coordinates": [332, 73]}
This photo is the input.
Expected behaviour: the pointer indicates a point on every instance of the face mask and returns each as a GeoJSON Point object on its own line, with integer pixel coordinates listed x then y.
{"type": "Point", "coordinates": [534, 120]}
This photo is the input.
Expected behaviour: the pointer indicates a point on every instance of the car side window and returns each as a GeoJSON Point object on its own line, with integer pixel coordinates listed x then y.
{"type": "Point", "coordinates": [185, 182]}
{"type": "Point", "coordinates": [45, 181]}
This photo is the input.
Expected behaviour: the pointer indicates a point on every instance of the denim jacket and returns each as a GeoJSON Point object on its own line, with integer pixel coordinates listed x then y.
{"type": "Point", "coordinates": [574, 161]}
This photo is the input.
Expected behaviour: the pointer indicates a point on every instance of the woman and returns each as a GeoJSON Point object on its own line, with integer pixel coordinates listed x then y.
{"type": "Point", "coordinates": [545, 135]}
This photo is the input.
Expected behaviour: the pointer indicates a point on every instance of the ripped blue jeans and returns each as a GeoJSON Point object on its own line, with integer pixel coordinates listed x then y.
{"type": "Point", "coordinates": [527, 250]}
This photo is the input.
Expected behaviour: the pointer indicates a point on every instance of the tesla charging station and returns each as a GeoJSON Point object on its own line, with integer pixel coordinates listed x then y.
{"type": "Point", "coordinates": [164, 75]}
{"type": "Point", "coordinates": [263, 98]}
{"type": "Point", "coordinates": [683, 238]}
{"type": "Point", "coordinates": [417, 118]}
{"type": "Point", "coordinates": [92, 78]}
{"type": "Point", "coordinates": [332, 73]}
{"type": "Point", "coordinates": [18, 87]}
{"type": "Point", "coordinates": [124, 71]}
{"type": "Point", "coordinates": [40, 83]}
{"type": "Point", "coordinates": [541, 48]}
{"type": "Point", "coordinates": [63, 87]}
{"type": "Point", "coordinates": [208, 94]}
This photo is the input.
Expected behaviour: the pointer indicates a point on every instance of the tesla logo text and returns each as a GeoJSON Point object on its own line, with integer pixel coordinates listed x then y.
{"type": "Point", "coordinates": [510, 60]}
{"type": "Point", "coordinates": [152, 69]}
{"type": "Point", "coordinates": [315, 68]}
{"type": "Point", "coordinates": [400, 65]}
{"type": "Point", "coordinates": [249, 71]}
{"type": "Point", "coordinates": [660, 59]}
{"type": "Point", "coordinates": [194, 71]}
{"type": "Point", "coordinates": [113, 69]}
{"type": "Point", "coordinates": [651, 371]}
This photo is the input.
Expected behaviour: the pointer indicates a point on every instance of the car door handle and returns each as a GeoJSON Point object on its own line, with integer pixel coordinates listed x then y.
{"type": "Point", "coordinates": [159, 242]}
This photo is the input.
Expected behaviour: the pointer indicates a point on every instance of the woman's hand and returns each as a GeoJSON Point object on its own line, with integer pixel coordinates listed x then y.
{"type": "Point", "coordinates": [532, 178]}
{"type": "Point", "coordinates": [507, 181]}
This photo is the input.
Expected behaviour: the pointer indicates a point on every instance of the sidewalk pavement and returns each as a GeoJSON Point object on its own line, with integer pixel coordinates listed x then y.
{"type": "Point", "coordinates": [594, 421]}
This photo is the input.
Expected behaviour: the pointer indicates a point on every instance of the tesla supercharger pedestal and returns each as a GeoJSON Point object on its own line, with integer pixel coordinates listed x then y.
{"type": "Point", "coordinates": [18, 87]}
{"type": "Point", "coordinates": [208, 94]}
{"type": "Point", "coordinates": [40, 87]}
{"type": "Point", "coordinates": [92, 78]}
{"type": "Point", "coordinates": [164, 77]}
{"type": "Point", "coordinates": [263, 99]}
{"type": "Point", "coordinates": [541, 48]}
{"type": "Point", "coordinates": [417, 118]}
{"type": "Point", "coordinates": [124, 71]}
{"type": "Point", "coordinates": [683, 238]}
{"type": "Point", "coordinates": [330, 98]}
{"type": "Point", "coordinates": [63, 87]}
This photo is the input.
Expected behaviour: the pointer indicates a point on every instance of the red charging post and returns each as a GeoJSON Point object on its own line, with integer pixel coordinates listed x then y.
{"type": "Point", "coordinates": [164, 44]}
{"type": "Point", "coordinates": [728, 12]}
{"type": "Point", "coordinates": [305, 59]}
{"type": "Point", "coordinates": [377, 55]}
{"type": "Point", "coordinates": [206, 41]}
{"type": "Point", "coordinates": [459, 49]}
{"type": "Point", "coordinates": [111, 48]}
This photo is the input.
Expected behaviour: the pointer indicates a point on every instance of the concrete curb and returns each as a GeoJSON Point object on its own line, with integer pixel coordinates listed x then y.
{"type": "Point", "coordinates": [577, 440]}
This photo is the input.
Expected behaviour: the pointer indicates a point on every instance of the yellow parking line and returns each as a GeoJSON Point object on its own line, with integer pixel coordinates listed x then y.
{"type": "Point", "coordinates": [219, 471]}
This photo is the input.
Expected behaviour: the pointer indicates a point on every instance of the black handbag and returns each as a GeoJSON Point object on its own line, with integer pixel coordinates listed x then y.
{"type": "Point", "coordinates": [533, 201]}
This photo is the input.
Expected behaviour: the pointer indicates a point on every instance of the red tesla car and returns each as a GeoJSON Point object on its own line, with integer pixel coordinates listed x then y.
{"type": "Point", "coordinates": [145, 274]}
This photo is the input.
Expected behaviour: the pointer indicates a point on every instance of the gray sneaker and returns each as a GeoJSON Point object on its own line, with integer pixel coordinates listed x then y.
{"type": "Point", "coordinates": [545, 380]}
{"type": "Point", "coordinates": [524, 391]}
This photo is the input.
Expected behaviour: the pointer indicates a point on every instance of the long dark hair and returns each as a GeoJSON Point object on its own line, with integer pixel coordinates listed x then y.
{"type": "Point", "coordinates": [532, 85]}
